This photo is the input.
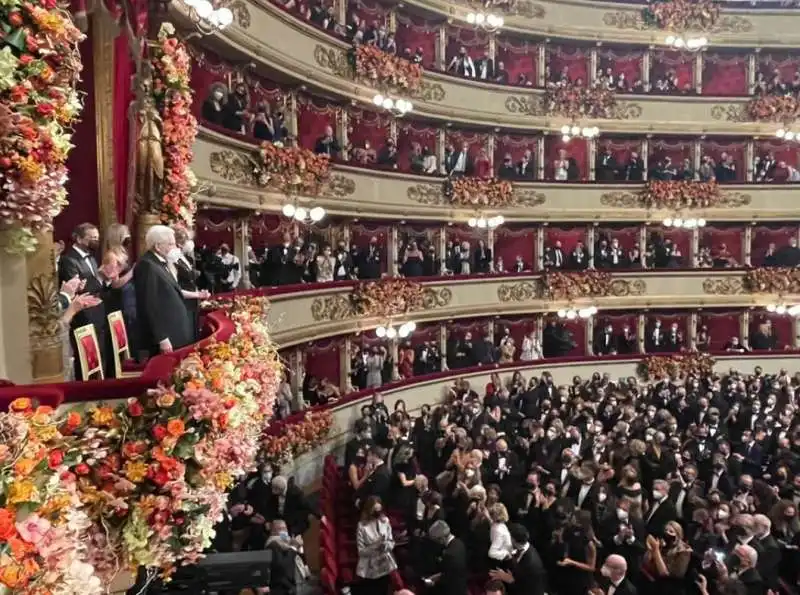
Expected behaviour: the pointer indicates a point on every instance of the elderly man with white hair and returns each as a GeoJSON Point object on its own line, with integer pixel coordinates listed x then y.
{"type": "Point", "coordinates": [769, 551]}
{"type": "Point", "coordinates": [164, 321]}
{"type": "Point", "coordinates": [743, 567]}
{"type": "Point", "coordinates": [614, 571]}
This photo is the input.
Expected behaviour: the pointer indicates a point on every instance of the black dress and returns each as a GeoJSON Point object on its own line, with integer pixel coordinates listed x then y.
{"type": "Point", "coordinates": [213, 112]}
{"type": "Point", "coordinates": [187, 279]}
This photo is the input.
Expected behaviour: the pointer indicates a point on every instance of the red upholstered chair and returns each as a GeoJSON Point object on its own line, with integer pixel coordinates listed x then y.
{"type": "Point", "coordinates": [121, 347]}
{"type": "Point", "coordinates": [88, 352]}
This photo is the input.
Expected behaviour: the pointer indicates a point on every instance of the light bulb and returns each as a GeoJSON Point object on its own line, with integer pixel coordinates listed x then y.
{"type": "Point", "coordinates": [224, 16]}
{"type": "Point", "coordinates": [500, 220]}
{"type": "Point", "coordinates": [388, 103]}
{"type": "Point", "coordinates": [213, 19]}
{"type": "Point", "coordinates": [482, 223]}
{"type": "Point", "coordinates": [667, 222]}
{"type": "Point", "coordinates": [789, 135]}
{"type": "Point", "coordinates": [204, 9]}
{"type": "Point", "coordinates": [490, 20]}
{"type": "Point", "coordinates": [412, 326]}
{"type": "Point", "coordinates": [391, 332]}
{"type": "Point", "coordinates": [480, 18]}
{"type": "Point", "coordinates": [300, 213]}
{"type": "Point", "coordinates": [565, 129]}
{"type": "Point", "coordinates": [380, 332]}
{"type": "Point", "coordinates": [677, 222]}
{"type": "Point", "coordinates": [690, 223]}
{"type": "Point", "coordinates": [691, 43]}
{"type": "Point", "coordinates": [701, 223]}
{"type": "Point", "coordinates": [593, 309]}
{"type": "Point", "coordinates": [793, 311]}
{"type": "Point", "coordinates": [576, 130]}
{"type": "Point", "coordinates": [679, 43]}
{"type": "Point", "coordinates": [378, 100]}
{"type": "Point", "coordinates": [771, 307]}
{"type": "Point", "coordinates": [472, 222]}
{"type": "Point", "coordinates": [403, 332]}
{"type": "Point", "coordinates": [317, 214]}
{"type": "Point", "coordinates": [587, 132]}
{"type": "Point", "coordinates": [562, 313]}
{"type": "Point", "coordinates": [400, 104]}
{"type": "Point", "coordinates": [471, 18]}
{"type": "Point", "coordinates": [584, 313]}
{"type": "Point", "coordinates": [780, 309]}
{"type": "Point", "coordinates": [409, 106]}
{"type": "Point", "coordinates": [565, 138]}
{"type": "Point", "coordinates": [670, 39]}
{"type": "Point", "coordinates": [702, 42]}
{"type": "Point", "coordinates": [500, 21]}
{"type": "Point", "coordinates": [288, 210]}
{"type": "Point", "coordinates": [595, 131]}
{"type": "Point", "coordinates": [571, 314]}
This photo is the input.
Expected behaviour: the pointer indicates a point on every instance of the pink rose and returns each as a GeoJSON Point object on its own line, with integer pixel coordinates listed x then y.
{"type": "Point", "coordinates": [33, 528]}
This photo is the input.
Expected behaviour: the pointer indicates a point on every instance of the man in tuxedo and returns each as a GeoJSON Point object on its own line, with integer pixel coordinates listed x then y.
{"type": "Point", "coordinates": [507, 171]}
{"type": "Point", "coordinates": [327, 144]}
{"type": "Point", "coordinates": [765, 168]}
{"type": "Point", "coordinates": [453, 566]}
{"type": "Point", "coordinates": [458, 164]}
{"type": "Point", "coordinates": [683, 491]}
{"type": "Point", "coordinates": [579, 259]}
{"type": "Point", "coordinates": [789, 256]}
{"type": "Point", "coordinates": [79, 261]}
{"type": "Point", "coordinates": [655, 338]}
{"type": "Point", "coordinates": [674, 338]}
{"type": "Point", "coordinates": [526, 168]}
{"type": "Point", "coordinates": [527, 575]}
{"type": "Point", "coordinates": [554, 256]}
{"type": "Point", "coordinates": [484, 68]}
{"type": "Point", "coordinates": [769, 552]}
{"type": "Point", "coordinates": [462, 64]}
{"type": "Point", "coordinates": [634, 170]}
{"type": "Point", "coordinates": [379, 480]}
{"type": "Point", "coordinates": [369, 263]}
{"type": "Point", "coordinates": [583, 492]}
{"type": "Point", "coordinates": [616, 255]}
{"type": "Point", "coordinates": [624, 535]}
{"type": "Point", "coordinates": [279, 266]}
{"type": "Point", "coordinates": [605, 343]}
{"type": "Point", "coordinates": [605, 166]}
{"type": "Point", "coordinates": [165, 324]}
{"type": "Point", "coordinates": [286, 501]}
{"type": "Point", "coordinates": [662, 510]}
{"type": "Point", "coordinates": [614, 581]}
{"type": "Point", "coordinates": [750, 454]}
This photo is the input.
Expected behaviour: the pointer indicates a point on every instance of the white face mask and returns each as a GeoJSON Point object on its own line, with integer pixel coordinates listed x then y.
{"type": "Point", "coordinates": [188, 247]}
{"type": "Point", "coordinates": [657, 495]}
{"type": "Point", "coordinates": [622, 514]}
{"type": "Point", "coordinates": [605, 571]}
{"type": "Point", "coordinates": [601, 497]}
{"type": "Point", "coordinates": [174, 255]}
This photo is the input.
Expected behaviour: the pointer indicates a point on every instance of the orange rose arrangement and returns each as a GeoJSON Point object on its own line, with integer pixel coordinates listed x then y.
{"type": "Point", "coordinates": [691, 363]}
{"type": "Point", "coordinates": [294, 438]}
{"type": "Point", "coordinates": [681, 15]}
{"type": "Point", "coordinates": [291, 169]}
{"type": "Point", "coordinates": [677, 194]}
{"type": "Point", "coordinates": [774, 108]}
{"type": "Point", "coordinates": [478, 192]}
{"type": "Point", "coordinates": [379, 68]}
{"type": "Point", "coordinates": [780, 280]}
{"type": "Point", "coordinates": [387, 297]}
{"type": "Point", "coordinates": [579, 101]}
{"type": "Point", "coordinates": [569, 286]}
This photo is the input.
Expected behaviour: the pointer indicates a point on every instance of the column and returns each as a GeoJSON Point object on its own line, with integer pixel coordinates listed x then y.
{"type": "Point", "coordinates": [490, 331]}
{"type": "Point", "coordinates": [795, 329]}
{"type": "Point", "coordinates": [749, 157]}
{"type": "Point", "coordinates": [541, 63]}
{"type": "Point", "coordinates": [592, 65]}
{"type": "Point", "coordinates": [645, 156]}
{"type": "Point", "coordinates": [345, 234]}
{"type": "Point", "coordinates": [344, 364]}
{"type": "Point", "coordinates": [643, 244]}
{"type": "Point", "coordinates": [694, 248]}
{"type": "Point", "coordinates": [441, 141]}
{"type": "Point", "coordinates": [291, 116]}
{"type": "Point", "coordinates": [589, 335]}
{"type": "Point", "coordinates": [443, 346]}
{"type": "Point", "coordinates": [491, 143]}
{"type": "Point", "coordinates": [640, 332]}
{"type": "Point", "coordinates": [751, 71]}
{"type": "Point", "coordinates": [103, 32]}
{"type": "Point", "coordinates": [691, 332]}
{"type": "Point", "coordinates": [646, 61]}
{"type": "Point", "coordinates": [296, 375]}
{"type": "Point", "coordinates": [591, 232]}
{"type": "Point", "coordinates": [441, 249]}
{"type": "Point", "coordinates": [698, 72]}
{"type": "Point", "coordinates": [391, 20]}
{"type": "Point", "coordinates": [490, 246]}
{"type": "Point", "coordinates": [391, 250]}
{"type": "Point", "coordinates": [539, 264]}
{"type": "Point", "coordinates": [394, 353]}
{"type": "Point", "coordinates": [441, 47]}
{"type": "Point", "coordinates": [696, 151]}
{"type": "Point", "coordinates": [393, 130]}
{"type": "Point", "coordinates": [342, 123]}
{"type": "Point", "coordinates": [592, 156]}
{"type": "Point", "coordinates": [744, 328]}
{"type": "Point", "coordinates": [538, 327]}
{"type": "Point", "coordinates": [241, 233]}
{"type": "Point", "coordinates": [748, 246]}
{"type": "Point", "coordinates": [493, 47]}
{"type": "Point", "coordinates": [540, 165]}
{"type": "Point", "coordinates": [340, 6]}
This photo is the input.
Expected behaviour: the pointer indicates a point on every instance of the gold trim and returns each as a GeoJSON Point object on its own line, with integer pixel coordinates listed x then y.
{"type": "Point", "coordinates": [724, 286]}
{"type": "Point", "coordinates": [241, 14]}
{"type": "Point", "coordinates": [630, 200]}
{"type": "Point", "coordinates": [103, 34]}
{"type": "Point", "coordinates": [340, 307]}
{"type": "Point", "coordinates": [730, 113]}
{"type": "Point", "coordinates": [433, 194]}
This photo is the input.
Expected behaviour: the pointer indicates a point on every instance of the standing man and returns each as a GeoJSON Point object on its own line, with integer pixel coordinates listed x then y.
{"type": "Point", "coordinates": [615, 581]}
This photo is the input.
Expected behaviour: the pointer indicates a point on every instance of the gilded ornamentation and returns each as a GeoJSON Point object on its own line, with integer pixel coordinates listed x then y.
{"type": "Point", "coordinates": [233, 166]}
{"type": "Point", "coordinates": [528, 197]}
{"type": "Point", "coordinates": [427, 194]}
{"type": "Point", "coordinates": [240, 13]}
{"type": "Point", "coordinates": [626, 111]}
{"type": "Point", "coordinates": [624, 287]}
{"type": "Point", "coordinates": [334, 307]}
{"type": "Point", "coordinates": [429, 92]}
{"type": "Point", "coordinates": [339, 186]}
{"type": "Point", "coordinates": [732, 286]}
{"type": "Point", "coordinates": [732, 24]}
{"type": "Point", "coordinates": [632, 200]}
{"type": "Point", "coordinates": [730, 113]}
{"type": "Point", "coordinates": [570, 286]}
{"type": "Point", "coordinates": [522, 8]}
{"type": "Point", "coordinates": [627, 19]}
{"type": "Point", "coordinates": [525, 105]}
{"type": "Point", "coordinates": [522, 291]}
{"type": "Point", "coordinates": [621, 199]}
{"type": "Point", "coordinates": [780, 280]}
{"type": "Point", "coordinates": [436, 194]}
{"type": "Point", "coordinates": [334, 60]}
{"type": "Point", "coordinates": [43, 311]}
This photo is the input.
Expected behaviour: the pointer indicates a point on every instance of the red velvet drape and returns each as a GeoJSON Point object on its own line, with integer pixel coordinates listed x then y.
{"type": "Point", "coordinates": [476, 141]}
{"type": "Point", "coordinates": [675, 148]}
{"type": "Point", "coordinates": [367, 125]}
{"type": "Point", "coordinates": [682, 64]}
{"type": "Point", "coordinates": [620, 61]}
{"type": "Point", "coordinates": [763, 236]}
{"type": "Point", "coordinates": [267, 230]}
{"type": "Point", "coordinates": [577, 328]}
{"type": "Point", "coordinates": [682, 239]}
{"type": "Point", "coordinates": [424, 333]}
{"type": "Point", "coordinates": [722, 327]}
{"type": "Point", "coordinates": [519, 56]}
{"type": "Point", "coordinates": [621, 148]}
{"type": "Point", "coordinates": [478, 327]}
{"type": "Point", "coordinates": [725, 74]}
{"type": "Point", "coordinates": [213, 228]}
{"type": "Point", "coordinates": [518, 327]}
{"type": "Point", "coordinates": [572, 60]}
{"type": "Point", "coordinates": [313, 115]}
{"type": "Point", "coordinates": [511, 241]}
{"type": "Point", "coordinates": [322, 360]}
{"type": "Point", "coordinates": [736, 149]}
{"type": "Point", "coordinates": [783, 151]}
{"type": "Point", "coordinates": [460, 233]}
{"type": "Point", "coordinates": [514, 144]}
{"type": "Point", "coordinates": [569, 238]}
{"type": "Point", "coordinates": [732, 237]}
{"type": "Point", "coordinates": [475, 41]}
{"type": "Point", "coordinates": [576, 148]}
{"type": "Point", "coordinates": [409, 133]}
{"type": "Point", "coordinates": [415, 33]}
{"type": "Point", "coordinates": [370, 11]}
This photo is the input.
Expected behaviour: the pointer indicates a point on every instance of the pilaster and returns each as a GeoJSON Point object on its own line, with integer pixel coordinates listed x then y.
{"type": "Point", "coordinates": [344, 364]}
{"type": "Point", "coordinates": [241, 233]}
{"type": "Point", "coordinates": [698, 72]}
{"type": "Point", "coordinates": [640, 331]}
{"type": "Point", "coordinates": [646, 62]}
{"type": "Point", "coordinates": [391, 250]}
{"type": "Point", "coordinates": [691, 330]}
{"type": "Point", "coordinates": [592, 157]}
{"type": "Point", "coordinates": [750, 158]}
{"type": "Point", "coordinates": [591, 233]}
{"type": "Point", "coordinates": [748, 246]}
{"type": "Point", "coordinates": [541, 63]}
{"type": "Point", "coordinates": [744, 328]}
{"type": "Point", "coordinates": [645, 157]}
{"type": "Point", "coordinates": [540, 164]}
{"type": "Point", "coordinates": [441, 47]}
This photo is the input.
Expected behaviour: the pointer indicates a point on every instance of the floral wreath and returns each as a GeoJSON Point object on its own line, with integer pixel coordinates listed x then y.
{"type": "Point", "coordinates": [295, 438]}
{"type": "Point", "coordinates": [774, 108]}
{"type": "Point", "coordinates": [681, 15]}
{"type": "Point", "coordinates": [387, 297]}
{"type": "Point", "coordinates": [477, 192]}
{"type": "Point", "coordinates": [291, 169]}
{"type": "Point", "coordinates": [173, 96]}
{"type": "Point", "coordinates": [575, 101]}
{"type": "Point", "coordinates": [691, 363]}
{"type": "Point", "coordinates": [677, 194]}
{"type": "Point", "coordinates": [39, 70]}
{"type": "Point", "coordinates": [379, 68]}
{"type": "Point", "coordinates": [567, 286]}
{"type": "Point", "coordinates": [778, 280]}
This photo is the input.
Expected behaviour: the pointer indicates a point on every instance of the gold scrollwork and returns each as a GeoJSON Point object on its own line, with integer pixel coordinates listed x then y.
{"type": "Point", "coordinates": [623, 287]}
{"type": "Point", "coordinates": [336, 308]}
{"type": "Point", "coordinates": [233, 166]}
{"type": "Point", "coordinates": [240, 13]}
{"type": "Point", "coordinates": [43, 311]}
{"type": "Point", "coordinates": [625, 19]}
{"type": "Point", "coordinates": [723, 286]}
{"type": "Point", "coordinates": [630, 200]}
{"type": "Point", "coordinates": [429, 92]}
{"type": "Point", "coordinates": [426, 194]}
{"type": "Point", "coordinates": [729, 113]}
{"type": "Point", "coordinates": [626, 111]}
{"type": "Point", "coordinates": [334, 60]}
{"type": "Point", "coordinates": [436, 298]}
{"type": "Point", "coordinates": [339, 186]}
{"type": "Point", "coordinates": [528, 198]}
{"type": "Point", "coordinates": [732, 24]}
{"type": "Point", "coordinates": [525, 105]}
{"type": "Point", "coordinates": [522, 291]}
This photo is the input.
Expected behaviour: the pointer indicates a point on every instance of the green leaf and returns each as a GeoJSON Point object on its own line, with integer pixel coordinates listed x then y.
{"type": "Point", "coordinates": [16, 39]}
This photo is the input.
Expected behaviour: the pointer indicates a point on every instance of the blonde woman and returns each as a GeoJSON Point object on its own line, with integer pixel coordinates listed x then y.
{"type": "Point", "coordinates": [501, 547]}
{"type": "Point", "coordinates": [122, 295]}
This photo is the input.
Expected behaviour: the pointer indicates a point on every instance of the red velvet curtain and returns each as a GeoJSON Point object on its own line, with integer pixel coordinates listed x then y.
{"type": "Point", "coordinates": [783, 62]}
{"type": "Point", "coordinates": [576, 148]}
{"type": "Point", "coordinates": [621, 61]}
{"type": "Point", "coordinates": [476, 41]}
{"type": "Point", "coordinates": [518, 328]}
{"type": "Point", "coordinates": [124, 70]}
{"type": "Point", "coordinates": [313, 115]}
{"type": "Point", "coordinates": [722, 327]}
{"type": "Point", "coordinates": [736, 149]}
{"type": "Point", "coordinates": [621, 148]}
{"type": "Point", "coordinates": [415, 33]}
{"type": "Point", "coordinates": [577, 328]}
{"type": "Point", "coordinates": [628, 236]}
{"type": "Point", "coordinates": [460, 233]}
{"type": "Point", "coordinates": [479, 327]}
{"type": "Point", "coordinates": [214, 227]}
{"type": "Point", "coordinates": [367, 125]}
{"type": "Point", "coordinates": [511, 241]}
{"type": "Point", "coordinates": [425, 332]}
{"type": "Point", "coordinates": [322, 359]}
{"type": "Point", "coordinates": [676, 149]}
{"type": "Point", "coordinates": [569, 237]}
{"type": "Point", "coordinates": [682, 64]}
{"type": "Point", "coordinates": [268, 230]}
{"type": "Point", "coordinates": [370, 11]}
{"type": "Point", "coordinates": [514, 144]}
{"type": "Point", "coordinates": [725, 73]}
{"type": "Point", "coordinates": [682, 238]}
{"type": "Point", "coordinates": [519, 56]}
{"type": "Point", "coordinates": [409, 133]}
{"type": "Point", "coordinates": [207, 69]}
{"type": "Point", "coordinates": [476, 141]}
{"type": "Point", "coordinates": [783, 151]}
{"type": "Point", "coordinates": [732, 238]}
{"type": "Point", "coordinates": [764, 235]}
{"type": "Point", "coordinates": [572, 60]}
{"type": "Point", "coordinates": [782, 327]}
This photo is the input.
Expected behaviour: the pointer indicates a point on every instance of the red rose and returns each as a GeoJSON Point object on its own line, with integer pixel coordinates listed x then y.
{"type": "Point", "coordinates": [159, 432]}
{"type": "Point", "coordinates": [55, 458]}
{"type": "Point", "coordinates": [49, 4]}
{"type": "Point", "coordinates": [45, 109]}
{"type": "Point", "coordinates": [135, 408]}
{"type": "Point", "coordinates": [26, 59]}
{"type": "Point", "coordinates": [15, 20]}
{"type": "Point", "coordinates": [160, 477]}
{"type": "Point", "coordinates": [5, 162]}
{"type": "Point", "coordinates": [31, 44]}
{"type": "Point", "coordinates": [82, 469]}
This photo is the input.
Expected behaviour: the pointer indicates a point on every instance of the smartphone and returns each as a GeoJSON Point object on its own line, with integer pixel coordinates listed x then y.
{"type": "Point", "coordinates": [719, 554]}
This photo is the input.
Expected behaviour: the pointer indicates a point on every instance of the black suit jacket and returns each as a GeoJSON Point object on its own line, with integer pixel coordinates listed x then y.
{"type": "Point", "coordinates": [769, 559]}
{"type": "Point", "coordinates": [624, 588]}
{"type": "Point", "coordinates": [530, 577]}
{"type": "Point", "coordinates": [72, 264]}
{"type": "Point", "coordinates": [454, 569]}
{"type": "Point", "coordinates": [665, 513]}
{"type": "Point", "coordinates": [160, 307]}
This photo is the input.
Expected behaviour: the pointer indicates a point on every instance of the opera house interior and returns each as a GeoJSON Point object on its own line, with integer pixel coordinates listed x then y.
{"type": "Point", "coordinates": [433, 297]}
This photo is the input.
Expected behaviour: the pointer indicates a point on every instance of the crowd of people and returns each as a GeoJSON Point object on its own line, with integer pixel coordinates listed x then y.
{"type": "Point", "coordinates": [602, 487]}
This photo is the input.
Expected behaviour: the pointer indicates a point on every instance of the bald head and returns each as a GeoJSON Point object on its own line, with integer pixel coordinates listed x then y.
{"type": "Point", "coordinates": [761, 525]}
{"type": "Point", "coordinates": [614, 567]}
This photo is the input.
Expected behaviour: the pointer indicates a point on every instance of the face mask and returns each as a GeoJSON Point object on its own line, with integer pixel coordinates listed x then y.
{"type": "Point", "coordinates": [657, 495]}
{"type": "Point", "coordinates": [174, 255]}
{"type": "Point", "coordinates": [188, 247]}
{"type": "Point", "coordinates": [670, 539]}
{"type": "Point", "coordinates": [601, 497]}
{"type": "Point", "coordinates": [605, 571]}
{"type": "Point", "coordinates": [377, 513]}
{"type": "Point", "coordinates": [284, 535]}
{"type": "Point", "coordinates": [622, 514]}
{"type": "Point", "coordinates": [94, 245]}
{"type": "Point", "coordinates": [723, 515]}
{"type": "Point", "coordinates": [266, 476]}
{"type": "Point", "coordinates": [470, 473]}
{"type": "Point", "coordinates": [218, 95]}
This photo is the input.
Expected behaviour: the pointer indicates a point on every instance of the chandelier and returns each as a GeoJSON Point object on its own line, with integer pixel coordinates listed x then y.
{"type": "Point", "coordinates": [679, 42]}
{"type": "Point", "coordinates": [573, 313]}
{"type": "Point", "coordinates": [569, 132]}
{"type": "Point", "coordinates": [487, 21]}
{"type": "Point", "coordinates": [784, 309]}
{"type": "Point", "coordinates": [399, 107]}
{"type": "Point", "coordinates": [302, 214]}
{"type": "Point", "coordinates": [684, 223]}
{"type": "Point", "coordinates": [788, 135]}
{"type": "Point", "coordinates": [206, 18]}
{"type": "Point", "coordinates": [484, 222]}
{"type": "Point", "coordinates": [389, 332]}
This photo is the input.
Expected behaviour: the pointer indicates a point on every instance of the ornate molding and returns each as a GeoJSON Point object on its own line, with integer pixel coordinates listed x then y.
{"type": "Point", "coordinates": [534, 106]}
{"type": "Point", "coordinates": [730, 113]}
{"type": "Point", "coordinates": [525, 291]}
{"type": "Point", "coordinates": [430, 92]}
{"type": "Point", "coordinates": [633, 20]}
{"type": "Point", "coordinates": [339, 186]}
{"type": "Point", "coordinates": [434, 195]}
{"type": "Point", "coordinates": [241, 15]}
{"type": "Point", "coordinates": [624, 288]}
{"type": "Point", "coordinates": [732, 286]}
{"type": "Point", "coordinates": [522, 8]}
{"type": "Point", "coordinates": [333, 59]}
{"type": "Point", "coordinates": [624, 110]}
{"type": "Point", "coordinates": [631, 200]}
{"type": "Point", "coordinates": [340, 307]}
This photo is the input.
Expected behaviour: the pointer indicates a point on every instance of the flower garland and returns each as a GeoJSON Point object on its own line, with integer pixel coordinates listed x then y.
{"type": "Point", "coordinates": [681, 15]}
{"type": "Point", "coordinates": [387, 297]}
{"type": "Point", "coordinates": [477, 192]}
{"type": "Point", "coordinates": [39, 69]}
{"type": "Point", "coordinates": [291, 169]}
{"type": "Point", "coordinates": [661, 194]}
{"type": "Point", "coordinates": [774, 108]}
{"type": "Point", "coordinates": [779, 280]}
{"type": "Point", "coordinates": [295, 439]}
{"type": "Point", "coordinates": [43, 527]}
{"type": "Point", "coordinates": [382, 69]}
{"type": "Point", "coordinates": [173, 96]}
{"type": "Point", "coordinates": [692, 363]}
{"type": "Point", "coordinates": [579, 101]}
{"type": "Point", "coordinates": [569, 286]}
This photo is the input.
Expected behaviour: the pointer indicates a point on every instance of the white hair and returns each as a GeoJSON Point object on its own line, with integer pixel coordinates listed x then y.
{"type": "Point", "coordinates": [158, 234]}
{"type": "Point", "coordinates": [750, 553]}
